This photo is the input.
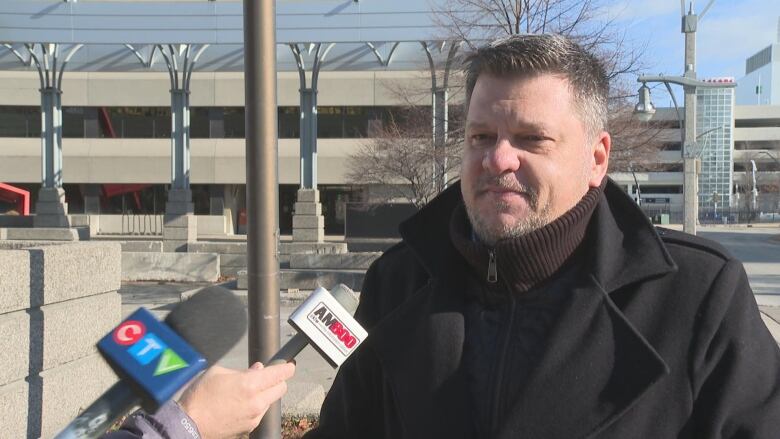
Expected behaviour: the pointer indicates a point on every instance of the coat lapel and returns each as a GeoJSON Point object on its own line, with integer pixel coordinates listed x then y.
{"type": "Point", "coordinates": [596, 364]}
{"type": "Point", "coordinates": [420, 347]}
{"type": "Point", "coordinates": [595, 368]}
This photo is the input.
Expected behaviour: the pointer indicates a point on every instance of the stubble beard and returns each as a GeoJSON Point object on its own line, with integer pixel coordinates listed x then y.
{"type": "Point", "coordinates": [490, 233]}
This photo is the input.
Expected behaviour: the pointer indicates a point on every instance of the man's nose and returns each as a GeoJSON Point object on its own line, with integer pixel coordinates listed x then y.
{"type": "Point", "coordinates": [502, 158]}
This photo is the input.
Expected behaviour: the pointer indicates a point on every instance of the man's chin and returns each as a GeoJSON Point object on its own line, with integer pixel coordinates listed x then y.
{"type": "Point", "coordinates": [490, 232]}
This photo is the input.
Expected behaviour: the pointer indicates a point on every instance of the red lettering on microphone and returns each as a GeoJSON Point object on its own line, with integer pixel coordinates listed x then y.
{"type": "Point", "coordinates": [129, 332]}
{"type": "Point", "coordinates": [342, 334]}
{"type": "Point", "coordinates": [328, 320]}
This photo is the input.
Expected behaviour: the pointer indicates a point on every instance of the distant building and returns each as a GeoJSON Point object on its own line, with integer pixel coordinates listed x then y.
{"type": "Point", "coordinates": [715, 136]}
{"type": "Point", "coordinates": [761, 83]}
{"type": "Point", "coordinates": [116, 127]}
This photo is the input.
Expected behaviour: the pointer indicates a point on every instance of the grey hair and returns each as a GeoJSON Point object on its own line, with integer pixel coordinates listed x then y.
{"type": "Point", "coordinates": [531, 55]}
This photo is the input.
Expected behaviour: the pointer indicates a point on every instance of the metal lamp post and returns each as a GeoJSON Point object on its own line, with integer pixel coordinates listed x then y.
{"type": "Point", "coordinates": [645, 110]}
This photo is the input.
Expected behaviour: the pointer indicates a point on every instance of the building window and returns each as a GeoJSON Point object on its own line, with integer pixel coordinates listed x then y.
{"type": "Point", "coordinates": [334, 122]}
{"type": "Point", "coordinates": [289, 122]}
{"type": "Point", "coordinates": [138, 123]}
{"type": "Point", "coordinates": [199, 123]}
{"type": "Point", "coordinates": [330, 122]}
{"type": "Point", "coordinates": [659, 189]}
{"type": "Point", "coordinates": [19, 121]}
{"type": "Point", "coordinates": [73, 122]}
{"type": "Point", "coordinates": [757, 144]}
{"type": "Point", "coordinates": [234, 123]}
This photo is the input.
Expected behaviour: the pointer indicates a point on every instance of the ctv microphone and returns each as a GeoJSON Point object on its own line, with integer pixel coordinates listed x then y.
{"type": "Point", "coordinates": [154, 360]}
{"type": "Point", "coordinates": [325, 321]}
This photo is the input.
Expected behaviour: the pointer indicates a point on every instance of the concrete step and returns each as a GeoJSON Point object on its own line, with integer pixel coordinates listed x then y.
{"type": "Point", "coordinates": [307, 280]}
{"type": "Point", "coordinates": [42, 234]}
{"type": "Point", "coordinates": [170, 267]}
{"type": "Point", "coordinates": [371, 244]}
{"type": "Point", "coordinates": [345, 261]}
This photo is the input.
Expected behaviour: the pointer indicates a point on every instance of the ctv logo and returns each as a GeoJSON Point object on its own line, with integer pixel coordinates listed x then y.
{"type": "Point", "coordinates": [327, 323]}
{"type": "Point", "coordinates": [145, 347]}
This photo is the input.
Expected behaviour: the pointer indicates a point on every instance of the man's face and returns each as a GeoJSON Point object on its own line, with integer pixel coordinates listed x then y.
{"type": "Point", "coordinates": [527, 158]}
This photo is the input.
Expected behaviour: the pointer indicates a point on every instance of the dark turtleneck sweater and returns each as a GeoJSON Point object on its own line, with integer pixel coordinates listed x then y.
{"type": "Point", "coordinates": [513, 305]}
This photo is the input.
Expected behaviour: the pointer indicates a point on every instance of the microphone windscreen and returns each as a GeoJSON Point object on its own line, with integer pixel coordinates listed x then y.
{"type": "Point", "coordinates": [212, 321]}
{"type": "Point", "coordinates": [346, 297]}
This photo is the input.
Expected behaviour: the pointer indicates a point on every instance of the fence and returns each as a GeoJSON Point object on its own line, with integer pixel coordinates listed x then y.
{"type": "Point", "coordinates": [142, 224]}
{"type": "Point", "coordinates": [666, 214]}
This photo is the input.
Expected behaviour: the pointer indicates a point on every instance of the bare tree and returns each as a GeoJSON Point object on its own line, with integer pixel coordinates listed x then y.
{"type": "Point", "coordinates": [400, 157]}
{"type": "Point", "coordinates": [585, 21]}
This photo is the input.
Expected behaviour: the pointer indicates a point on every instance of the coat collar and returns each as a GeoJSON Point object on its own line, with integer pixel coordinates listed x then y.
{"type": "Point", "coordinates": [623, 247]}
{"type": "Point", "coordinates": [595, 356]}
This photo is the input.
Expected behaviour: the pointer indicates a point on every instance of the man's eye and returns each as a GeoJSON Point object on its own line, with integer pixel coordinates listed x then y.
{"type": "Point", "coordinates": [480, 139]}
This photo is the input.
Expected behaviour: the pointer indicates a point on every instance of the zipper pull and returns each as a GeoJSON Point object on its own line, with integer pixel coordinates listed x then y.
{"type": "Point", "coordinates": [492, 276]}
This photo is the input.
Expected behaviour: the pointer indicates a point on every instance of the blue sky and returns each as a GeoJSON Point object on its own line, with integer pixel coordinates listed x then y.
{"type": "Point", "coordinates": [730, 32]}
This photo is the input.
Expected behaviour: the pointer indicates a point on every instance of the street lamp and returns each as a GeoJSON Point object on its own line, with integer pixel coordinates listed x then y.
{"type": "Point", "coordinates": [645, 109]}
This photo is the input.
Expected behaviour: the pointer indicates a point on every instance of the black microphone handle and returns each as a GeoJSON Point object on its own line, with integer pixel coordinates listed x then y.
{"type": "Point", "coordinates": [101, 414]}
{"type": "Point", "coordinates": [290, 349]}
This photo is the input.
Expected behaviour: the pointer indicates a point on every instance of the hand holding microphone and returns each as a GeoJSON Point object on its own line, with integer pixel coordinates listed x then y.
{"type": "Point", "coordinates": [226, 403]}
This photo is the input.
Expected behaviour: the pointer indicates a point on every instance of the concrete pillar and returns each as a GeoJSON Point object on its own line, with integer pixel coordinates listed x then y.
{"type": "Point", "coordinates": [180, 226]}
{"type": "Point", "coordinates": [180, 139]}
{"type": "Point", "coordinates": [51, 210]}
{"type": "Point", "coordinates": [92, 198]}
{"type": "Point", "coordinates": [308, 138]}
{"type": "Point", "coordinates": [308, 222]}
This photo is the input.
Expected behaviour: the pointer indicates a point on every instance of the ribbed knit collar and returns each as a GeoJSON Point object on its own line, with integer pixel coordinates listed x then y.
{"type": "Point", "coordinates": [526, 261]}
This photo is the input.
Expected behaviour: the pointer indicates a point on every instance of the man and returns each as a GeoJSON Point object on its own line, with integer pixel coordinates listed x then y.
{"type": "Point", "coordinates": [535, 300]}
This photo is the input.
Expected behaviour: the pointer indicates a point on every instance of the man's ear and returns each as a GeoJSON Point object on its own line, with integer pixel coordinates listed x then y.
{"type": "Point", "coordinates": [600, 158]}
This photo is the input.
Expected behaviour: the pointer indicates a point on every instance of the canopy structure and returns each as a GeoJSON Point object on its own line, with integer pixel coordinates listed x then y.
{"type": "Point", "coordinates": [117, 35]}
{"type": "Point", "coordinates": [182, 37]}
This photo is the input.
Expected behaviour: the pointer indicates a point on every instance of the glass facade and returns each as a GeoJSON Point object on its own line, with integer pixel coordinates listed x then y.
{"type": "Point", "coordinates": [715, 137]}
{"type": "Point", "coordinates": [338, 122]}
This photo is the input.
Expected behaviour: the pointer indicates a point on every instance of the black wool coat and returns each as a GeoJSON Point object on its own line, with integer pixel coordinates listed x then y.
{"type": "Point", "coordinates": [660, 338]}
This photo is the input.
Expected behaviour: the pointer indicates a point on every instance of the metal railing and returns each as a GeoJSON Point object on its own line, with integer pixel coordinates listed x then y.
{"type": "Point", "coordinates": [669, 215]}
{"type": "Point", "coordinates": [146, 224]}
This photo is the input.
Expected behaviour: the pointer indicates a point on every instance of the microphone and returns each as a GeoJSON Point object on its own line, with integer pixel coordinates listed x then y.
{"type": "Point", "coordinates": [154, 360]}
{"type": "Point", "coordinates": [325, 322]}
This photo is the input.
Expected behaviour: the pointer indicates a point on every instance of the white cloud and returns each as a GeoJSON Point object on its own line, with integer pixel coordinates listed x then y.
{"type": "Point", "coordinates": [640, 10]}
{"type": "Point", "coordinates": [729, 35]}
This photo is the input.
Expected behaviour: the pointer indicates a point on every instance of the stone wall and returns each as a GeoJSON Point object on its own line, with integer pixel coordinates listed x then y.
{"type": "Point", "coordinates": [56, 302]}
